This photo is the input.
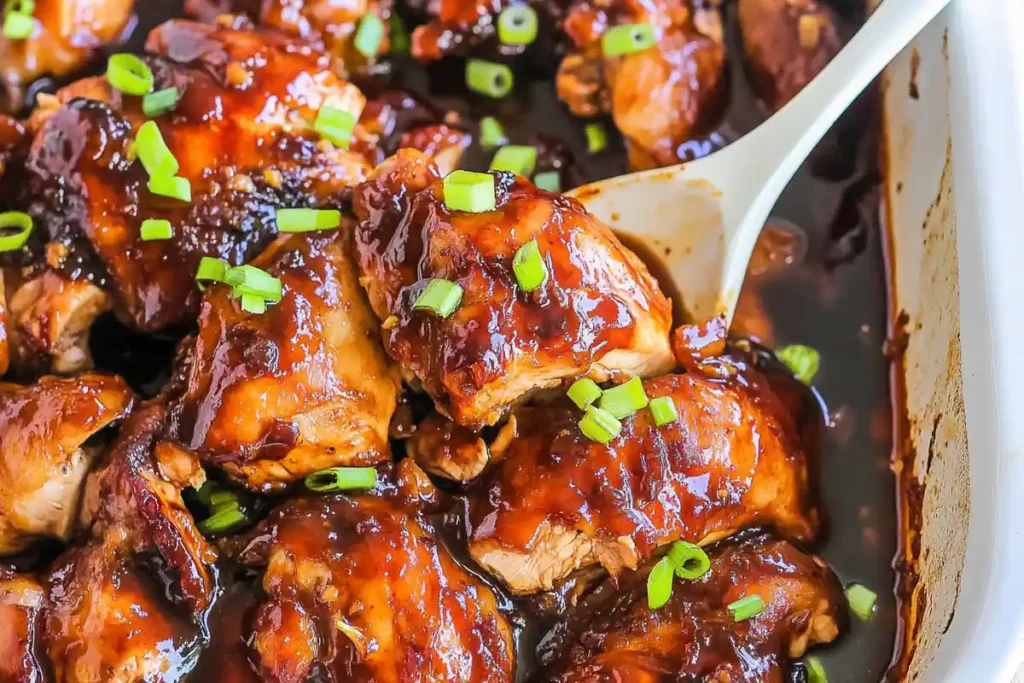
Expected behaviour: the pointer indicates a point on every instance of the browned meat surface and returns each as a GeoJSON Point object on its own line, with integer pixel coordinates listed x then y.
{"type": "Point", "coordinates": [303, 386]}
{"type": "Point", "coordinates": [13, 142]}
{"type": "Point", "coordinates": [359, 589]}
{"type": "Point", "coordinates": [559, 501]}
{"type": "Point", "coordinates": [444, 143]}
{"type": "Point", "coordinates": [21, 598]}
{"type": "Point", "coordinates": [787, 43]}
{"type": "Point", "coordinates": [67, 34]}
{"type": "Point", "coordinates": [448, 450]}
{"type": "Point", "coordinates": [454, 26]}
{"type": "Point", "coordinates": [656, 96]}
{"type": "Point", "coordinates": [328, 24]}
{"type": "Point", "coordinates": [600, 311]}
{"type": "Point", "coordinates": [242, 133]}
{"type": "Point", "coordinates": [45, 455]}
{"type": "Point", "coordinates": [693, 636]}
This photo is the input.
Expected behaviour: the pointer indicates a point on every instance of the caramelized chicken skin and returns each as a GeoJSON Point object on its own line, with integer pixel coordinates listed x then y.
{"type": "Point", "coordinates": [448, 450]}
{"type": "Point", "coordinates": [559, 501]}
{"type": "Point", "coordinates": [600, 311]}
{"type": "Point", "coordinates": [242, 133]}
{"type": "Point", "coordinates": [21, 599]}
{"type": "Point", "coordinates": [306, 385]}
{"type": "Point", "coordinates": [359, 589]}
{"type": "Point", "coordinates": [44, 454]}
{"type": "Point", "coordinates": [693, 636]}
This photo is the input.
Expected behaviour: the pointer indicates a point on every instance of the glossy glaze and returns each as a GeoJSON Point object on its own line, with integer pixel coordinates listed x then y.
{"type": "Point", "coordinates": [21, 598]}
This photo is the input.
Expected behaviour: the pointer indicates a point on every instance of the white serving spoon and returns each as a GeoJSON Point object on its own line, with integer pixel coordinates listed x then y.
{"type": "Point", "coordinates": [703, 218]}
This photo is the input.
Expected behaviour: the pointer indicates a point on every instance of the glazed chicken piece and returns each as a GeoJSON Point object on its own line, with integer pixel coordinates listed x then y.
{"type": "Point", "coordinates": [303, 386]}
{"type": "Point", "coordinates": [559, 501]}
{"type": "Point", "coordinates": [65, 36]}
{"type": "Point", "coordinates": [45, 452]}
{"type": "Point", "coordinates": [787, 43]}
{"type": "Point", "coordinates": [459, 27]}
{"type": "Point", "coordinates": [21, 598]}
{"type": "Point", "coordinates": [359, 589]}
{"type": "Point", "coordinates": [448, 450]}
{"type": "Point", "coordinates": [693, 636]}
{"type": "Point", "coordinates": [599, 312]}
{"type": "Point", "coordinates": [329, 25]}
{"type": "Point", "coordinates": [657, 96]}
{"type": "Point", "coordinates": [242, 134]}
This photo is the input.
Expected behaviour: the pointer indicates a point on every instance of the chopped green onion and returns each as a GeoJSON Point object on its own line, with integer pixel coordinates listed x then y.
{"type": "Point", "coordinates": [599, 425]}
{"type": "Point", "coordinates": [689, 560]}
{"type": "Point", "coordinates": [584, 392]}
{"type": "Point", "coordinates": [18, 26]}
{"type": "Point", "coordinates": [663, 410]}
{"type": "Point", "coordinates": [862, 601]}
{"type": "Point", "coordinates": [206, 491]}
{"type": "Point", "coordinates": [469, 191]}
{"type": "Point", "coordinates": [254, 282]}
{"type": "Point", "coordinates": [528, 265]}
{"type": "Point", "coordinates": [518, 159]}
{"type": "Point", "coordinates": [815, 670]}
{"type": "Point", "coordinates": [628, 38]}
{"type": "Point", "coordinates": [15, 228]}
{"type": "Point", "coordinates": [129, 74]}
{"type": "Point", "coordinates": [171, 186]}
{"type": "Point", "coordinates": [398, 35]}
{"type": "Point", "coordinates": [369, 36]}
{"type": "Point", "coordinates": [211, 270]}
{"type": "Point", "coordinates": [155, 229]}
{"type": "Point", "coordinates": [159, 102]}
{"type": "Point", "coordinates": [489, 78]}
{"type": "Point", "coordinates": [745, 608]}
{"type": "Point", "coordinates": [251, 303]}
{"type": "Point", "coordinates": [335, 125]}
{"type": "Point", "coordinates": [659, 584]}
{"type": "Point", "coordinates": [625, 399]}
{"type": "Point", "coordinates": [307, 220]}
{"type": "Point", "coordinates": [802, 360]}
{"type": "Point", "coordinates": [597, 138]}
{"type": "Point", "coordinates": [153, 152]}
{"type": "Point", "coordinates": [222, 521]}
{"type": "Point", "coordinates": [440, 297]}
{"type": "Point", "coordinates": [517, 25]}
{"type": "Point", "coordinates": [220, 497]}
{"type": "Point", "coordinates": [341, 479]}
{"type": "Point", "coordinates": [491, 132]}
{"type": "Point", "coordinates": [548, 181]}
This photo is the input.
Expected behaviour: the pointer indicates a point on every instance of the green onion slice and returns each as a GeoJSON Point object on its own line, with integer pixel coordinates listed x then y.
{"type": "Point", "coordinates": [659, 584]}
{"type": "Point", "coordinates": [440, 297]}
{"type": "Point", "coordinates": [342, 479]}
{"type": "Point", "coordinates": [628, 38]}
{"type": "Point", "coordinates": [469, 191]}
{"type": "Point", "coordinates": [548, 181]}
{"type": "Point", "coordinates": [804, 361]}
{"type": "Point", "coordinates": [369, 36]}
{"type": "Point", "coordinates": [251, 303]}
{"type": "Point", "coordinates": [171, 186]}
{"type": "Point", "coordinates": [307, 220]}
{"type": "Point", "coordinates": [625, 399]}
{"type": "Point", "coordinates": [222, 521]}
{"type": "Point", "coordinates": [335, 125]}
{"type": "Point", "coordinates": [584, 392]}
{"type": "Point", "coordinates": [862, 600]}
{"type": "Point", "coordinates": [154, 229]}
{"type": "Point", "coordinates": [398, 35]}
{"type": "Point", "coordinates": [517, 25]}
{"type": "Point", "coordinates": [518, 159]}
{"type": "Point", "coordinates": [221, 497]}
{"type": "Point", "coordinates": [252, 281]}
{"type": "Point", "coordinates": [159, 102]}
{"type": "Point", "coordinates": [491, 132]}
{"type": "Point", "coordinates": [597, 138]}
{"type": "Point", "coordinates": [15, 229]}
{"type": "Point", "coordinates": [815, 670]}
{"type": "Point", "coordinates": [18, 26]}
{"type": "Point", "coordinates": [745, 608]}
{"type": "Point", "coordinates": [211, 270]}
{"type": "Point", "coordinates": [528, 265]}
{"type": "Point", "coordinates": [689, 560]}
{"type": "Point", "coordinates": [489, 78]}
{"type": "Point", "coordinates": [599, 425]}
{"type": "Point", "coordinates": [663, 410]}
{"type": "Point", "coordinates": [129, 74]}
{"type": "Point", "coordinates": [153, 152]}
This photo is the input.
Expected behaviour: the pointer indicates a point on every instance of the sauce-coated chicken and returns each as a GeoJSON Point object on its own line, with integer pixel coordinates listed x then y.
{"type": "Point", "coordinates": [559, 501]}
{"type": "Point", "coordinates": [693, 636]}
{"type": "Point", "coordinates": [359, 589]}
{"type": "Point", "coordinates": [242, 134]}
{"type": "Point", "coordinates": [44, 454]}
{"type": "Point", "coordinates": [599, 312]}
{"type": "Point", "coordinates": [65, 35]}
{"type": "Point", "coordinates": [21, 598]}
{"type": "Point", "coordinates": [305, 385]}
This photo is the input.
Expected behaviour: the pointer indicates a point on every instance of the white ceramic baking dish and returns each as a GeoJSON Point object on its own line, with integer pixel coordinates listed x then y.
{"type": "Point", "coordinates": [955, 202]}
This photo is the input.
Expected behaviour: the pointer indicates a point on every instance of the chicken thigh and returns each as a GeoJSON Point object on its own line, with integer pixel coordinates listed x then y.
{"type": "Point", "coordinates": [21, 599]}
{"type": "Point", "coordinates": [600, 312]}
